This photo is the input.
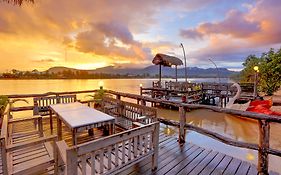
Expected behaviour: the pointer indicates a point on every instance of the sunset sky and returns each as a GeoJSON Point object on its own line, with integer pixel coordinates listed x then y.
{"type": "Point", "coordinates": [88, 34]}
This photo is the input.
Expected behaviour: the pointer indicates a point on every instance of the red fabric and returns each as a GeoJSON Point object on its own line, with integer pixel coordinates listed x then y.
{"type": "Point", "coordinates": [265, 103]}
{"type": "Point", "coordinates": [262, 109]}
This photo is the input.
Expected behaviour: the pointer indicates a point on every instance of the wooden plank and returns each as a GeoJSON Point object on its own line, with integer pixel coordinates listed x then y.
{"type": "Point", "coordinates": [233, 166]}
{"type": "Point", "coordinates": [195, 162]}
{"type": "Point", "coordinates": [185, 160]}
{"type": "Point", "coordinates": [213, 164]}
{"type": "Point", "coordinates": [252, 170]}
{"type": "Point", "coordinates": [176, 157]}
{"type": "Point", "coordinates": [203, 163]}
{"type": "Point", "coordinates": [222, 166]}
{"type": "Point", "coordinates": [243, 168]}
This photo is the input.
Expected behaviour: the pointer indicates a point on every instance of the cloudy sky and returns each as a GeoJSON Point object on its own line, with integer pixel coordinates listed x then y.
{"type": "Point", "coordinates": [87, 34]}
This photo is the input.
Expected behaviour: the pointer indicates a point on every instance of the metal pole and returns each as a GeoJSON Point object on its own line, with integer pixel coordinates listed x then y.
{"type": "Point", "coordinates": [255, 85]}
{"type": "Point", "coordinates": [185, 70]}
{"type": "Point", "coordinates": [218, 74]}
{"type": "Point", "coordinates": [176, 73]}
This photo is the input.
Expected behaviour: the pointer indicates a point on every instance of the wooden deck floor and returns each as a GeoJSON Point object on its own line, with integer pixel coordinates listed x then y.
{"type": "Point", "coordinates": [191, 159]}
{"type": "Point", "coordinates": [173, 158]}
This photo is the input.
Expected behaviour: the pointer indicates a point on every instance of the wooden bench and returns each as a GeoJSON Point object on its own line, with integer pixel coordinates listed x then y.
{"type": "Point", "coordinates": [127, 113]}
{"type": "Point", "coordinates": [26, 152]}
{"type": "Point", "coordinates": [41, 105]}
{"type": "Point", "coordinates": [110, 155]}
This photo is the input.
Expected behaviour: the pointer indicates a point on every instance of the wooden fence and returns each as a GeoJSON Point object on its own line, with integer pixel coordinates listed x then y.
{"type": "Point", "coordinates": [264, 121]}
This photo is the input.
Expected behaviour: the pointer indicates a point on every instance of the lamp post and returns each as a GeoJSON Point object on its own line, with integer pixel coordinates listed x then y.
{"type": "Point", "coordinates": [101, 84]}
{"type": "Point", "coordinates": [217, 70]}
{"type": "Point", "coordinates": [185, 71]}
{"type": "Point", "coordinates": [256, 69]}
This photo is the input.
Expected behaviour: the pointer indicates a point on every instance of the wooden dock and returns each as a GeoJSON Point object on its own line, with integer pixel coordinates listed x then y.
{"type": "Point", "coordinates": [173, 158]}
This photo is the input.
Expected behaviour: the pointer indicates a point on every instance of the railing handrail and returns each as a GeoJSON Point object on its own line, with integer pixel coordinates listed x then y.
{"type": "Point", "coordinates": [246, 114]}
{"type": "Point", "coordinates": [263, 122]}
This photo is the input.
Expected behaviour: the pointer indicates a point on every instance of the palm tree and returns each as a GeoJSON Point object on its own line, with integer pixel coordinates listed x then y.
{"type": "Point", "coordinates": [18, 2]}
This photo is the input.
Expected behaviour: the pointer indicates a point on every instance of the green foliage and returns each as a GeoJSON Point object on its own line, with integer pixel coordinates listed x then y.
{"type": "Point", "coordinates": [269, 76]}
{"type": "Point", "coordinates": [3, 103]}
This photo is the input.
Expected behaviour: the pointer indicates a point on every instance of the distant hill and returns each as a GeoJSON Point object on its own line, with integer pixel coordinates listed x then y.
{"type": "Point", "coordinates": [149, 71]}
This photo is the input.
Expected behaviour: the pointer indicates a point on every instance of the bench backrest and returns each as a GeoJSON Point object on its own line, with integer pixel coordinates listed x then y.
{"type": "Point", "coordinates": [41, 104]}
{"type": "Point", "coordinates": [126, 113]}
{"type": "Point", "coordinates": [138, 113]}
{"type": "Point", "coordinates": [4, 139]}
{"type": "Point", "coordinates": [113, 154]}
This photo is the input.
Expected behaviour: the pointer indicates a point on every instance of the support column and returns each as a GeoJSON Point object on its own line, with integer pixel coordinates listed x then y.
{"type": "Point", "coordinates": [182, 131]}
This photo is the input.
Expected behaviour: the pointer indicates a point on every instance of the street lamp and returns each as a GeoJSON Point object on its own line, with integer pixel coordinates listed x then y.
{"type": "Point", "coordinates": [217, 70]}
{"type": "Point", "coordinates": [185, 71]}
{"type": "Point", "coordinates": [256, 69]}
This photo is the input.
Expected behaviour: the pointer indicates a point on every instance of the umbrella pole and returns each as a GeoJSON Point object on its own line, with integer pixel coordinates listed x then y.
{"type": "Point", "coordinates": [176, 73]}
{"type": "Point", "coordinates": [159, 74]}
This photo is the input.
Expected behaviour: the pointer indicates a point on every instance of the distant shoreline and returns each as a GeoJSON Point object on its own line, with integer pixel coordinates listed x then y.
{"type": "Point", "coordinates": [1, 78]}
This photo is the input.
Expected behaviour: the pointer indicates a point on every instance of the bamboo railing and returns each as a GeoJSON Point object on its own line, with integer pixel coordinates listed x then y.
{"type": "Point", "coordinates": [264, 121]}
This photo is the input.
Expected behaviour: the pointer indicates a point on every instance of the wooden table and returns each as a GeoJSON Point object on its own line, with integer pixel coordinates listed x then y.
{"type": "Point", "coordinates": [78, 117]}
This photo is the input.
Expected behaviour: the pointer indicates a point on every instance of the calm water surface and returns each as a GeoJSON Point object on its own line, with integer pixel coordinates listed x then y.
{"type": "Point", "coordinates": [227, 125]}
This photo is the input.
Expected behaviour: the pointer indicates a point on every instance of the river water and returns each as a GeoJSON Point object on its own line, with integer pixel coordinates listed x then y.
{"type": "Point", "coordinates": [227, 125]}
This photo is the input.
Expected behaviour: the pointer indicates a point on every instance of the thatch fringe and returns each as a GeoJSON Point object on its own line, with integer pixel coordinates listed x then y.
{"type": "Point", "coordinates": [18, 2]}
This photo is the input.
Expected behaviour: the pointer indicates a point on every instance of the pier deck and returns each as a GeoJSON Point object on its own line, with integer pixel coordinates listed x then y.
{"type": "Point", "coordinates": [173, 158]}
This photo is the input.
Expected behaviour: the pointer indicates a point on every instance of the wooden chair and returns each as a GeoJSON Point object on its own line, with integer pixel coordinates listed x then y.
{"type": "Point", "coordinates": [27, 151]}
{"type": "Point", "coordinates": [110, 155]}
{"type": "Point", "coordinates": [42, 105]}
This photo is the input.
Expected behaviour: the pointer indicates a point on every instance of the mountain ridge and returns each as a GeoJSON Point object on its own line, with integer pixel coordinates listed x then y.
{"type": "Point", "coordinates": [148, 71]}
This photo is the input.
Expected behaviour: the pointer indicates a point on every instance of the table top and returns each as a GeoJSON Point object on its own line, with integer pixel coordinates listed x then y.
{"type": "Point", "coordinates": [76, 115]}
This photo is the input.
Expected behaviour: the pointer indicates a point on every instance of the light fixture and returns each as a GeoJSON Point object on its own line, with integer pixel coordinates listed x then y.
{"type": "Point", "coordinates": [140, 85]}
{"type": "Point", "coordinates": [256, 68]}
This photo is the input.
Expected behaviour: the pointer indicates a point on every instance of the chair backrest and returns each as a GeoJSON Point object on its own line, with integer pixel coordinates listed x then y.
{"type": "Point", "coordinates": [67, 99]}
{"type": "Point", "coordinates": [109, 155]}
{"type": "Point", "coordinates": [41, 104]}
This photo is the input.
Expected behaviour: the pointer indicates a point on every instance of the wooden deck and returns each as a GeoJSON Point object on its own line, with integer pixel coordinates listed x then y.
{"type": "Point", "coordinates": [191, 159]}
{"type": "Point", "coordinates": [173, 158]}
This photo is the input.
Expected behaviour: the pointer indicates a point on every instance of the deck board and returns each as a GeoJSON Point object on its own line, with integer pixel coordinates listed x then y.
{"type": "Point", "coordinates": [173, 158]}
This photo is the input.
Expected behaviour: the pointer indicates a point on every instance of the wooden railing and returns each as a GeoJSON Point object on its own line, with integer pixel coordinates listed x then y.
{"type": "Point", "coordinates": [264, 121]}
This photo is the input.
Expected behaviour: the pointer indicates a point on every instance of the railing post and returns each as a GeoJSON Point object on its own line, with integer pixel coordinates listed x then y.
{"type": "Point", "coordinates": [118, 97]}
{"type": "Point", "coordinates": [182, 123]}
{"type": "Point", "coordinates": [264, 130]}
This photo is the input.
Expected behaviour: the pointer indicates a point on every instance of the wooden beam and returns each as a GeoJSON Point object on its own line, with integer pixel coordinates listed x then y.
{"type": "Point", "coordinates": [264, 131]}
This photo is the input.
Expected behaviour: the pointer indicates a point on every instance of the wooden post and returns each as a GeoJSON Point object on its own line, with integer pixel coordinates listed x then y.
{"type": "Point", "coordinates": [140, 90]}
{"type": "Point", "coordinates": [40, 126]}
{"type": "Point", "coordinates": [71, 162]}
{"type": "Point", "coordinates": [182, 123]}
{"type": "Point", "coordinates": [155, 146]}
{"type": "Point", "coordinates": [264, 130]}
{"type": "Point", "coordinates": [143, 103]}
{"type": "Point", "coordinates": [118, 97]}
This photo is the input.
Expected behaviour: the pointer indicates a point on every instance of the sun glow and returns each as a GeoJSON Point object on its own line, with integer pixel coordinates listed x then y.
{"type": "Point", "coordinates": [89, 66]}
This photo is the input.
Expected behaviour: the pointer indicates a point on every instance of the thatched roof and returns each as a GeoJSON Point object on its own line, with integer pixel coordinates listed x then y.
{"type": "Point", "coordinates": [166, 60]}
{"type": "Point", "coordinates": [18, 2]}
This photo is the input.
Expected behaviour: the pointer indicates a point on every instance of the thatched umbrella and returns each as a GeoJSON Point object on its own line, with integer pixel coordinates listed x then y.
{"type": "Point", "coordinates": [166, 60]}
{"type": "Point", "coordinates": [18, 2]}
